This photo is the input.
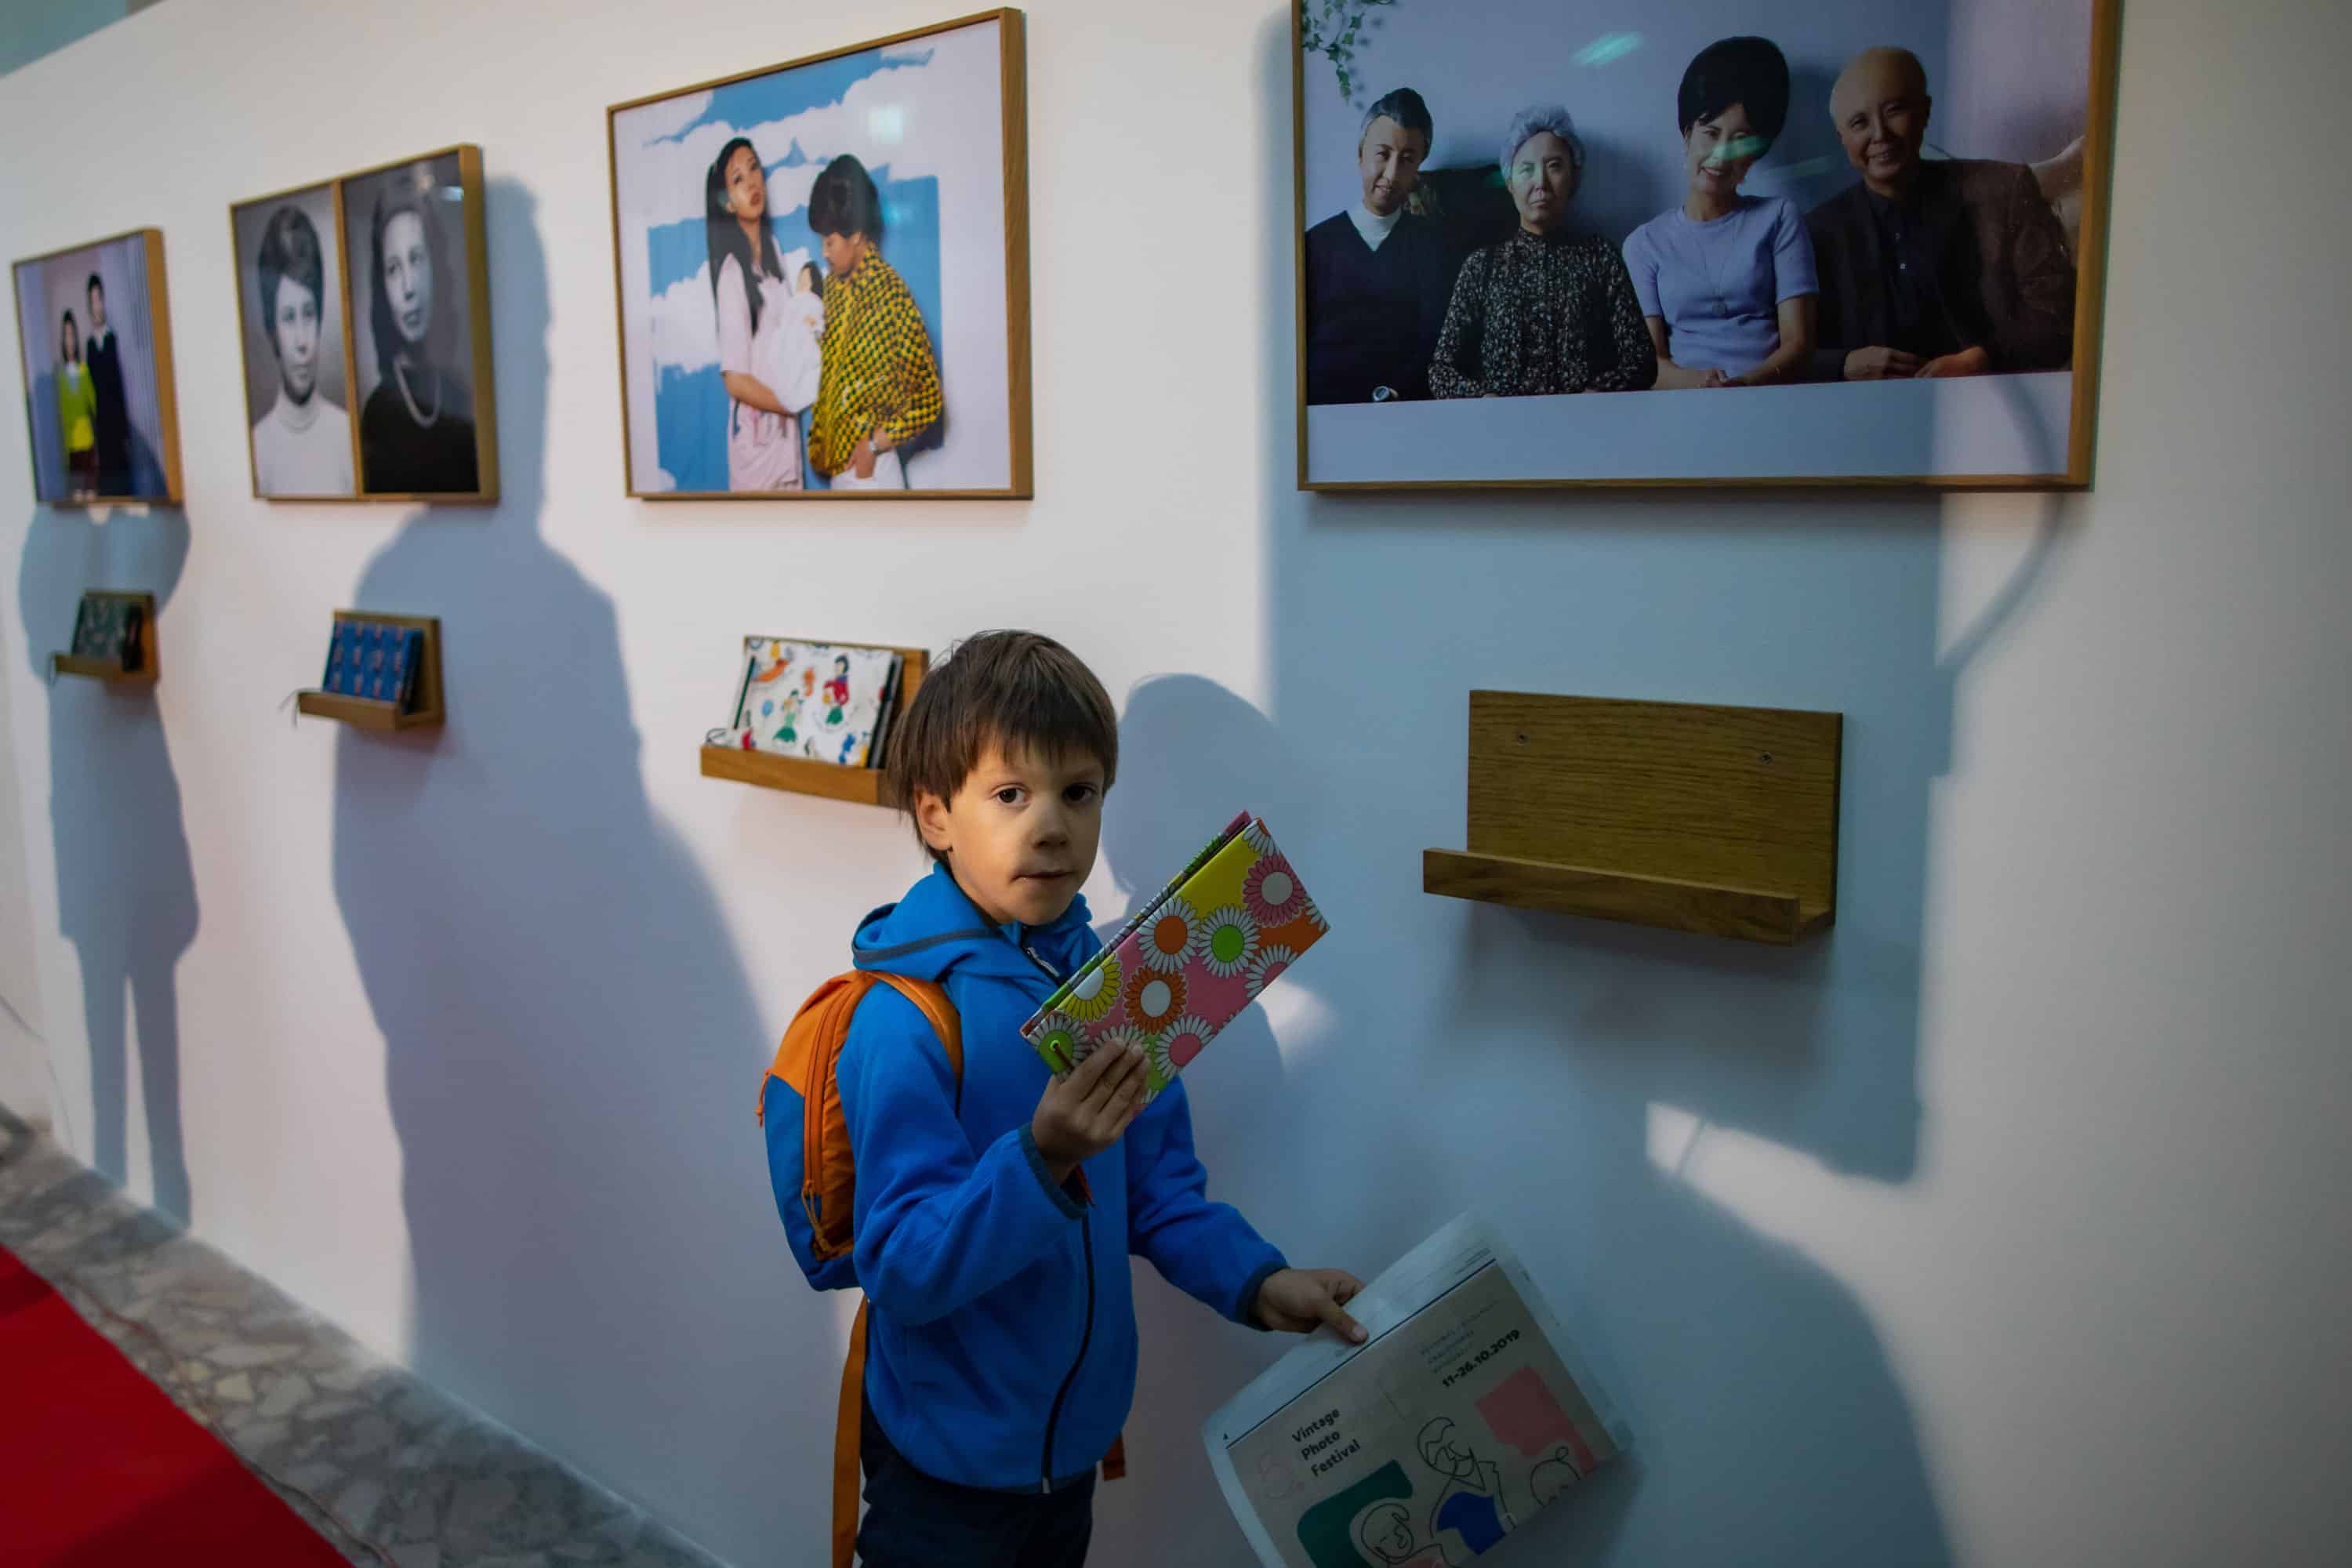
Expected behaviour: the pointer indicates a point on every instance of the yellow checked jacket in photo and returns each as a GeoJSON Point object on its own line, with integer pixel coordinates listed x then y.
{"type": "Point", "coordinates": [878, 376]}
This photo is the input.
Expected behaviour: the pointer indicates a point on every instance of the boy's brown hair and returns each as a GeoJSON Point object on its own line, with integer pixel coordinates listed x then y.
{"type": "Point", "coordinates": [1024, 691]}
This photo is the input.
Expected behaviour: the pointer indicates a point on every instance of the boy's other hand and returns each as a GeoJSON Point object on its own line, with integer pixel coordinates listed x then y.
{"type": "Point", "coordinates": [1300, 1301]}
{"type": "Point", "coordinates": [1083, 1114]}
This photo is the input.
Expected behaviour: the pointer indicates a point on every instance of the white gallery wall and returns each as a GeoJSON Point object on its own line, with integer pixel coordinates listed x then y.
{"type": "Point", "coordinates": [2005, 1225]}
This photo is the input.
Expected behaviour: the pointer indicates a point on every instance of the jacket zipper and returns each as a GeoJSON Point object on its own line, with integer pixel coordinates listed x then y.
{"type": "Point", "coordinates": [1087, 1335]}
{"type": "Point", "coordinates": [1085, 1338]}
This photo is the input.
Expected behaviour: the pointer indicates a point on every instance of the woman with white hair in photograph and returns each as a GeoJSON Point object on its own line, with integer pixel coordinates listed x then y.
{"type": "Point", "coordinates": [416, 430]}
{"type": "Point", "coordinates": [1546, 311]}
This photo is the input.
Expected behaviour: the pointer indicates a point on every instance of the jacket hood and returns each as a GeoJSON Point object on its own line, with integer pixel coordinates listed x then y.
{"type": "Point", "coordinates": [937, 928]}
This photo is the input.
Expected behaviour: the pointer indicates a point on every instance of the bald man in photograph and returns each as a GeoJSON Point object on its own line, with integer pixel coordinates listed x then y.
{"type": "Point", "coordinates": [1931, 268]}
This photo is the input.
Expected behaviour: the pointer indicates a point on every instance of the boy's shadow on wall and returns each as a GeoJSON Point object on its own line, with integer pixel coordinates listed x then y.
{"type": "Point", "coordinates": [1191, 754]}
{"type": "Point", "coordinates": [1550, 1070]}
{"type": "Point", "coordinates": [126, 888]}
{"type": "Point", "coordinates": [572, 1044]}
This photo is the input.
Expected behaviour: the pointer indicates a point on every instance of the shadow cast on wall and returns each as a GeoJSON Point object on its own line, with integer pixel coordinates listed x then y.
{"type": "Point", "coordinates": [572, 1044]}
{"type": "Point", "coordinates": [126, 888]}
{"type": "Point", "coordinates": [1521, 1065]}
{"type": "Point", "coordinates": [1191, 754]}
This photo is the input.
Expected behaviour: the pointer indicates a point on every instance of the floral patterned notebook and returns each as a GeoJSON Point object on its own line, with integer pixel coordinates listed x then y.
{"type": "Point", "coordinates": [1190, 963]}
{"type": "Point", "coordinates": [813, 700]}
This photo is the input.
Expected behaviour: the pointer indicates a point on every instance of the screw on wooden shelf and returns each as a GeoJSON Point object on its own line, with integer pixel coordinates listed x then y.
{"type": "Point", "coordinates": [1765, 757]}
{"type": "Point", "coordinates": [1523, 740]}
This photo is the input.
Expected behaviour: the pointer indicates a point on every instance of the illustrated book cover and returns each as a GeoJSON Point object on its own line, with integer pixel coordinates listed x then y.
{"type": "Point", "coordinates": [814, 699]}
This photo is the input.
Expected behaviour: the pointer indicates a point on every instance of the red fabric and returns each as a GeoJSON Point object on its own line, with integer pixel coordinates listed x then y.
{"type": "Point", "coordinates": [97, 1466]}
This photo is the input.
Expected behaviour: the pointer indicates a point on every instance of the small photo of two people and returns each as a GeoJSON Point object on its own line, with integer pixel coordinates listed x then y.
{"type": "Point", "coordinates": [1873, 248]}
{"type": "Point", "coordinates": [91, 374]}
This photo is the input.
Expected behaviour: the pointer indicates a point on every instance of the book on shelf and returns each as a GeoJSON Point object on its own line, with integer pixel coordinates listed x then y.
{"type": "Point", "coordinates": [375, 660]}
{"type": "Point", "coordinates": [828, 702]}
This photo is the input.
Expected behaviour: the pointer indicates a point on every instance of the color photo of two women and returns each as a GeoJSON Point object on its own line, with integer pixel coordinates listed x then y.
{"type": "Point", "coordinates": [1844, 248]}
{"type": "Point", "coordinates": [813, 273]}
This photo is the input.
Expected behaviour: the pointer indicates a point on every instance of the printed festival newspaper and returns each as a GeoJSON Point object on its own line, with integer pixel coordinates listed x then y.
{"type": "Point", "coordinates": [1465, 1413]}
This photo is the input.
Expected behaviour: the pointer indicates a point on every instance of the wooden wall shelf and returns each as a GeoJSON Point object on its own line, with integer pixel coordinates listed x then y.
{"type": "Point", "coordinates": [106, 669]}
{"type": "Point", "coordinates": [807, 775]}
{"type": "Point", "coordinates": [369, 713]}
{"type": "Point", "coordinates": [1716, 820]}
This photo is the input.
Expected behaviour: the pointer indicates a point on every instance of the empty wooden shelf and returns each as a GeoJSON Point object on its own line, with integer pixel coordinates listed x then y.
{"type": "Point", "coordinates": [370, 713]}
{"type": "Point", "coordinates": [807, 775]}
{"type": "Point", "coordinates": [1690, 817]}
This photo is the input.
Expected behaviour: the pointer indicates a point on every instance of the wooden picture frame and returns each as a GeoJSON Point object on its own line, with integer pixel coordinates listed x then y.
{"type": "Point", "coordinates": [414, 423]}
{"type": "Point", "coordinates": [962, 260]}
{"type": "Point", "coordinates": [249, 221]}
{"type": "Point", "coordinates": [1617, 65]}
{"type": "Point", "coordinates": [136, 463]}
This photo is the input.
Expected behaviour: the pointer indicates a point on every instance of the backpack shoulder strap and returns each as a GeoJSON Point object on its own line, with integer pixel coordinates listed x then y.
{"type": "Point", "coordinates": [930, 999]}
{"type": "Point", "coordinates": [848, 1431]}
{"type": "Point", "coordinates": [828, 1012]}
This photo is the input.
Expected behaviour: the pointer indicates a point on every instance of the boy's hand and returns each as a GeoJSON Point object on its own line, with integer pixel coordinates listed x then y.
{"type": "Point", "coordinates": [1300, 1301]}
{"type": "Point", "coordinates": [1080, 1116]}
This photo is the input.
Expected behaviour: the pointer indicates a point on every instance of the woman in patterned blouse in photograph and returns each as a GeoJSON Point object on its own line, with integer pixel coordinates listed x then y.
{"type": "Point", "coordinates": [1545, 311]}
{"type": "Point", "coordinates": [879, 387]}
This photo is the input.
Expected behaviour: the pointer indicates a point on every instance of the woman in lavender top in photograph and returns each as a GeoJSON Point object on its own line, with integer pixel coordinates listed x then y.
{"type": "Point", "coordinates": [1726, 280]}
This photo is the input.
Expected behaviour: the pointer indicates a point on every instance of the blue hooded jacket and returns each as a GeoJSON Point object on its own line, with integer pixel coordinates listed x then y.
{"type": "Point", "coordinates": [1001, 1346]}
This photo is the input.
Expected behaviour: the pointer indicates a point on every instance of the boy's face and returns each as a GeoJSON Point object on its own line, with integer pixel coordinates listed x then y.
{"type": "Point", "coordinates": [1019, 833]}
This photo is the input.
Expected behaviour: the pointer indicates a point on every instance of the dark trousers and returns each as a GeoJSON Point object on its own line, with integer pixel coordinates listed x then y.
{"type": "Point", "coordinates": [915, 1520]}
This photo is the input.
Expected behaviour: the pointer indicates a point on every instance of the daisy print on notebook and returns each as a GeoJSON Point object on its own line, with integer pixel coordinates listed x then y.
{"type": "Point", "coordinates": [1189, 962]}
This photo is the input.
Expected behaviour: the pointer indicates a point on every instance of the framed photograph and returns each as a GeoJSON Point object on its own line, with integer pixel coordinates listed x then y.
{"type": "Point", "coordinates": [97, 336]}
{"type": "Point", "coordinates": [823, 270]}
{"type": "Point", "coordinates": [295, 334]}
{"type": "Point", "coordinates": [418, 304]}
{"type": "Point", "coordinates": [1703, 242]}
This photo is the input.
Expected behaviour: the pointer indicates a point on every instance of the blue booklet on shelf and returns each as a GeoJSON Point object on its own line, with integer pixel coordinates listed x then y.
{"type": "Point", "coordinates": [370, 659]}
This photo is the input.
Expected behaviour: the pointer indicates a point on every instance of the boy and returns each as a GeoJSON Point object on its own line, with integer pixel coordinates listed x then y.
{"type": "Point", "coordinates": [994, 1224]}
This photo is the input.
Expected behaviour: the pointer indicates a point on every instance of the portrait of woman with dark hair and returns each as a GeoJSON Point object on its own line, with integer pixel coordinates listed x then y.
{"type": "Point", "coordinates": [302, 442]}
{"type": "Point", "coordinates": [1726, 280]}
{"type": "Point", "coordinates": [77, 410]}
{"type": "Point", "coordinates": [880, 384]}
{"type": "Point", "coordinates": [416, 429]}
{"type": "Point", "coordinates": [767, 337]}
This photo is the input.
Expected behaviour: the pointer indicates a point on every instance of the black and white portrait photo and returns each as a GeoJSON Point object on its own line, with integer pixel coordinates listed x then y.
{"type": "Point", "coordinates": [419, 348]}
{"type": "Point", "coordinates": [297, 374]}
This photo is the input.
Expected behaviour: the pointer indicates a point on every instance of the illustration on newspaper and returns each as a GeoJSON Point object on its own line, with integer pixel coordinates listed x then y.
{"type": "Point", "coordinates": [1464, 1413]}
